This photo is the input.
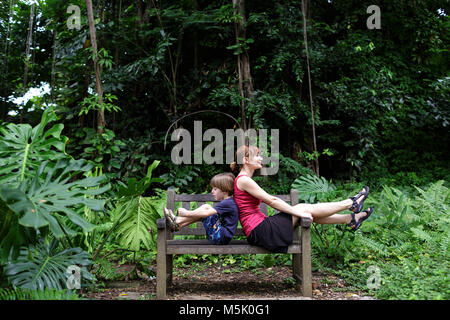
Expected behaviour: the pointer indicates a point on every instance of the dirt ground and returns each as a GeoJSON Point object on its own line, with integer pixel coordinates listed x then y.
{"type": "Point", "coordinates": [216, 283]}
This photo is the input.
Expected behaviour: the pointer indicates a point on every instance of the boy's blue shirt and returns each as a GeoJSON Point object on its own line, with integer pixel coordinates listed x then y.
{"type": "Point", "coordinates": [229, 216]}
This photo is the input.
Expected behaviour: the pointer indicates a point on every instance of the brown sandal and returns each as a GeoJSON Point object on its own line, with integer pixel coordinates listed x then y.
{"type": "Point", "coordinates": [171, 220]}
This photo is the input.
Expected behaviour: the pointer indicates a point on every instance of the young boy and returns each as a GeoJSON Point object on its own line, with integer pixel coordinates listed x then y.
{"type": "Point", "coordinates": [220, 221]}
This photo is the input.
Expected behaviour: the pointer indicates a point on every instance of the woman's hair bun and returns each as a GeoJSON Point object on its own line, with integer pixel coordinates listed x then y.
{"type": "Point", "coordinates": [233, 166]}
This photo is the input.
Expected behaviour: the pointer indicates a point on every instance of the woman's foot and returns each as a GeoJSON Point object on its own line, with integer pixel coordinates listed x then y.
{"type": "Point", "coordinates": [357, 219]}
{"type": "Point", "coordinates": [358, 200]}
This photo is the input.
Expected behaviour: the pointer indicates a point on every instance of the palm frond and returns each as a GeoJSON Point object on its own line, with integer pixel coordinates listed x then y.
{"type": "Point", "coordinates": [312, 188]}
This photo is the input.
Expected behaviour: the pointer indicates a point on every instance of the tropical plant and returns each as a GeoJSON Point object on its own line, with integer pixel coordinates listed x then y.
{"type": "Point", "coordinates": [49, 200]}
{"type": "Point", "coordinates": [312, 188]}
{"type": "Point", "coordinates": [46, 294]}
{"type": "Point", "coordinates": [136, 228]}
{"type": "Point", "coordinates": [23, 148]}
{"type": "Point", "coordinates": [45, 266]}
{"type": "Point", "coordinates": [133, 216]}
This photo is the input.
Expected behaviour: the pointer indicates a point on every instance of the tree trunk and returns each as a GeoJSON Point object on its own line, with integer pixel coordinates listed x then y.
{"type": "Point", "coordinates": [101, 123]}
{"type": "Point", "coordinates": [28, 47]}
{"type": "Point", "coordinates": [4, 84]}
{"type": "Point", "coordinates": [53, 76]}
{"type": "Point", "coordinates": [243, 61]}
{"type": "Point", "coordinates": [27, 54]}
{"type": "Point", "coordinates": [305, 11]}
{"type": "Point", "coordinates": [172, 83]}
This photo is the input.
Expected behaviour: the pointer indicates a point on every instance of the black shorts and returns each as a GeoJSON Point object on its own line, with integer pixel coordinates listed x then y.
{"type": "Point", "coordinates": [274, 233]}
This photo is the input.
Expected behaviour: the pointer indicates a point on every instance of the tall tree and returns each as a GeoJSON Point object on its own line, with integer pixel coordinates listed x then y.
{"type": "Point", "coordinates": [27, 53]}
{"type": "Point", "coordinates": [305, 12]}
{"type": "Point", "coordinates": [243, 60]}
{"type": "Point", "coordinates": [101, 123]}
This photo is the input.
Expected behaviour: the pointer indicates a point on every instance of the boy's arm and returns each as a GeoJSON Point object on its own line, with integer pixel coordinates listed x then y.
{"type": "Point", "coordinates": [203, 211]}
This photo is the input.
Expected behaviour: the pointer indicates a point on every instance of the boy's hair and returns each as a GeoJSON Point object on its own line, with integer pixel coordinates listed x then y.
{"type": "Point", "coordinates": [224, 181]}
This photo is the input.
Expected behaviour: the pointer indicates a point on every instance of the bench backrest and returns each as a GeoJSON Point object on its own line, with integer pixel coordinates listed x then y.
{"type": "Point", "coordinates": [200, 199]}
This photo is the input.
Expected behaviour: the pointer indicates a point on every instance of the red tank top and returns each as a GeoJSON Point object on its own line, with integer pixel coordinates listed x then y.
{"type": "Point", "coordinates": [250, 214]}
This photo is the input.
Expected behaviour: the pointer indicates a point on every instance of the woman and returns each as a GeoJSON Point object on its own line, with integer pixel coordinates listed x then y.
{"type": "Point", "coordinates": [275, 233]}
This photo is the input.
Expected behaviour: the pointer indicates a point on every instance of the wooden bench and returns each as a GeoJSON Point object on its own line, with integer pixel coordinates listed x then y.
{"type": "Point", "coordinates": [167, 246]}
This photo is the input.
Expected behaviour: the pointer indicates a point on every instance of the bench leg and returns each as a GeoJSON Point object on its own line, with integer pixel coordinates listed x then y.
{"type": "Point", "coordinates": [161, 268]}
{"type": "Point", "coordinates": [169, 268]}
{"type": "Point", "coordinates": [306, 262]}
{"type": "Point", "coordinates": [297, 266]}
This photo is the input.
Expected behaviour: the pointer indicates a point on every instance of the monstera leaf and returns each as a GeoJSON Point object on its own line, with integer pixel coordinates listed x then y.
{"type": "Point", "coordinates": [23, 148]}
{"type": "Point", "coordinates": [137, 226]}
{"type": "Point", "coordinates": [42, 266]}
{"type": "Point", "coordinates": [50, 196]}
{"type": "Point", "coordinates": [134, 216]}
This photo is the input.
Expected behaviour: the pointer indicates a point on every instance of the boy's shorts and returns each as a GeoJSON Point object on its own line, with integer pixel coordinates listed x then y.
{"type": "Point", "coordinates": [214, 229]}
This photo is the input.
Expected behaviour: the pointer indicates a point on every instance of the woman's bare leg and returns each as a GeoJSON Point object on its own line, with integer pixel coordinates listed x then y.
{"type": "Point", "coordinates": [325, 213]}
{"type": "Point", "coordinates": [340, 218]}
{"type": "Point", "coordinates": [325, 209]}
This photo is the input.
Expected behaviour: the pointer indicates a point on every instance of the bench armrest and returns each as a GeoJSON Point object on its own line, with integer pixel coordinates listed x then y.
{"type": "Point", "coordinates": [161, 223]}
{"type": "Point", "coordinates": [305, 222]}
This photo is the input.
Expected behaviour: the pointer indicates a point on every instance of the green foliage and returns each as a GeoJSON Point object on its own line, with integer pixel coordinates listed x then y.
{"type": "Point", "coordinates": [93, 103]}
{"type": "Point", "coordinates": [137, 226]}
{"type": "Point", "coordinates": [406, 238]}
{"type": "Point", "coordinates": [23, 148]}
{"type": "Point", "coordinates": [281, 182]}
{"type": "Point", "coordinates": [50, 200]}
{"type": "Point", "coordinates": [41, 201]}
{"type": "Point", "coordinates": [182, 177]}
{"type": "Point", "coordinates": [44, 266]}
{"type": "Point", "coordinates": [46, 294]}
{"type": "Point", "coordinates": [103, 149]}
{"type": "Point", "coordinates": [311, 189]}
{"type": "Point", "coordinates": [133, 216]}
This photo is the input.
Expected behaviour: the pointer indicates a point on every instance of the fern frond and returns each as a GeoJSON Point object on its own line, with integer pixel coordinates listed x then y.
{"type": "Point", "coordinates": [372, 244]}
{"type": "Point", "coordinates": [106, 269]}
{"type": "Point", "coordinates": [47, 294]}
{"type": "Point", "coordinates": [422, 234]}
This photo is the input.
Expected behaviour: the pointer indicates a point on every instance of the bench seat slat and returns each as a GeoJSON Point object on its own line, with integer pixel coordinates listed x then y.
{"type": "Point", "coordinates": [235, 247]}
{"type": "Point", "coordinates": [200, 231]}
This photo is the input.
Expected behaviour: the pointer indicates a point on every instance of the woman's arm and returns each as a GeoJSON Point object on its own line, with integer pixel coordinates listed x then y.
{"type": "Point", "coordinates": [247, 184]}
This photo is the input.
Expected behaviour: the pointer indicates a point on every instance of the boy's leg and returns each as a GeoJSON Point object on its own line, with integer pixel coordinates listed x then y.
{"type": "Point", "coordinates": [201, 212]}
{"type": "Point", "coordinates": [185, 221]}
{"type": "Point", "coordinates": [186, 217]}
